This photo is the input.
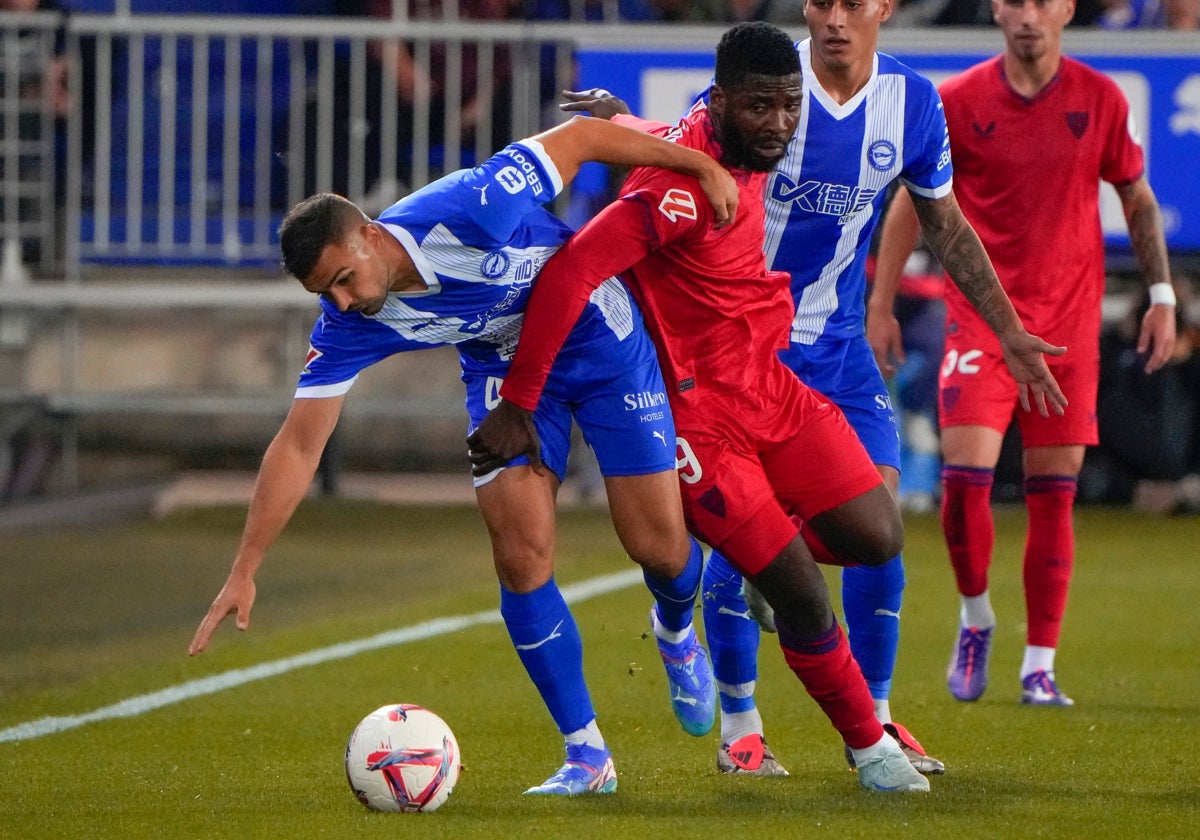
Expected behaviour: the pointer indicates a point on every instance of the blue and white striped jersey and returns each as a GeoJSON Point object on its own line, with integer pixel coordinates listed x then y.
{"type": "Point", "coordinates": [478, 237]}
{"type": "Point", "coordinates": [825, 196]}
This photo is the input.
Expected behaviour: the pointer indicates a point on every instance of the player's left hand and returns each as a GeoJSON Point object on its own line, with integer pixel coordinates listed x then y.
{"type": "Point", "coordinates": [1025, 356]}
{"type": "Point", "coordinates": [596, 101]}
{"type": "Point", "coordinates": [1157, 337]}
{"type": "Point", "coordinates": [505, 433]}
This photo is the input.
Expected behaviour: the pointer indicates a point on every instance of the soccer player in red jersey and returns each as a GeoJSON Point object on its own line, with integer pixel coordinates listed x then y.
{"type": "Point", "coordinates": [1032, 133]}
{"type": "Point", "coordinates": [756, 448]}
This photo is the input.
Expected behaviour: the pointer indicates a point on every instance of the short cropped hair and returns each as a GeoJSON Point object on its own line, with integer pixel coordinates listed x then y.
{"type": "Point", "coordinates": [754, 48]}
{"type": "Point", "coordinates": [315, 223]}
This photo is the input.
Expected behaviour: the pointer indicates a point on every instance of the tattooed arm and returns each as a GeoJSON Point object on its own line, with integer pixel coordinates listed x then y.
{"type": "Point", "coordinates": [955, 243]}
{"type": "Point", "coordinates": [1142, 216]}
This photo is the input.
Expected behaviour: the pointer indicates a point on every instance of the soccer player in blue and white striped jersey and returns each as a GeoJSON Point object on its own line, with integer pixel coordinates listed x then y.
{"type": "Point", "coordinates": [452, 264]}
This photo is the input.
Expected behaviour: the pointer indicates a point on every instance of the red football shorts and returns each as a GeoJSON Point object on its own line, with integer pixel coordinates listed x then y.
{"type": "Point", "coordinates": [747, 463]}
{"type": "Point", "coordinates": [975, 388]}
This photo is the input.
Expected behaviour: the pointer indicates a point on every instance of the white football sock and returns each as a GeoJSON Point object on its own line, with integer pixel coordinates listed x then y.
{"type": "Point", "coordinates": [736, 725]}
{"type": "Point", "coordinates": [977, 612]}
{"type": "Point", "coordinates": [1037, 659]}
{"type": "Point", "coordinates": [589, 735]}
{"type": "Point", "coordinates": [876, 749]}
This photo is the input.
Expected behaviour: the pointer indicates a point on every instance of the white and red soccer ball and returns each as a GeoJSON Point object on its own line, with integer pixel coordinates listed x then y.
{"type": "Point", "coordinates": [402, 758]}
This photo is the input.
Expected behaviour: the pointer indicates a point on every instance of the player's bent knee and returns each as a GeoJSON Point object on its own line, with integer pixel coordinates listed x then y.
{"type": "Point", "coordinates": [522, 566]}
{"type": "Point", "coordinates": [662, 558]}
{"type": "Point", "coordinates": [885, 541]}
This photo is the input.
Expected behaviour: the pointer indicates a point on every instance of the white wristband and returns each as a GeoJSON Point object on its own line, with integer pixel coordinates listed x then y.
{"type": "Point", "coordinates": [1162, 293]}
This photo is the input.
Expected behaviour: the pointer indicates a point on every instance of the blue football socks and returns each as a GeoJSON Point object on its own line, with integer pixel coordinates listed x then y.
{"type": "Point", "coordinates": [546, 638]}
{"type": "Point", "coordinates": [676, 599]}
{"type": "Point", "coordinates": [871, 599]}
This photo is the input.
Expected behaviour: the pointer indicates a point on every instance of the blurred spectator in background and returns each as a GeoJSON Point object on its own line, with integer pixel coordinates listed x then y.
{"type": "Point", "coordinates": [590, 10]}
{"type": "Point", "coordinates": [1150, 14]}
{"type": "Point", "coordinates": [979, 13]}
{"type": "Point", "coordinates": [484, 115]}
{"type": "Point", "coordinates": [1150, 424]}
{"type": "Point", "coordinates": [38, 120]}
{"type": "Point", "coordinates": [53, 83]}
{"type": "Point", "coordinates": [779, 12]}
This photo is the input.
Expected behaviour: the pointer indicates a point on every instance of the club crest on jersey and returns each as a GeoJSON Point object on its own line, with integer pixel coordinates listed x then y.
{"type": "Point", "coordinates": [713, 501]}
{"type": "Point", "coordinates": [1077, 121]}
{"type": "Point", "coordinates": [311, 356]}
{"type": "Point", "coordinates": [882, 155]}
{"type": "Point", "coordinates": [494, 265]}
{"type": "Point", "coordinates": [677, 204]}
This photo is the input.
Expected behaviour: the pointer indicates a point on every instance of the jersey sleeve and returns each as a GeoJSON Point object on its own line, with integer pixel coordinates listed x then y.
{"type": "Point", "coordinates": [1122, 160]}
{"type": "Point", "coordinates": [619, 237]}
{"type": "Point", "coordinates": [928, 170]}
{"type": "Point", "coordinates": [338, 351]}
{"type": "Point", "coordinates": [505, 188]}
{"type": "Point", "coordinates": [648, 126]}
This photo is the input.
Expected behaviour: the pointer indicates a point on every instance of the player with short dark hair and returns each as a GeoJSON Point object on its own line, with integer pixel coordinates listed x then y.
{"type": "Point", "coordinates": [867, 121]}
{"type": "Point", "coordinates": [1033, 133]}
{"type": "Point", "coordinates": [756, 447]}
{"type": "Point", "coordinates": [453, 264]}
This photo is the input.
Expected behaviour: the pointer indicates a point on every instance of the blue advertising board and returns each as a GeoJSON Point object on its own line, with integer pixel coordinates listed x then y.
{"type": "Point", "coordinates": [1163, 91]}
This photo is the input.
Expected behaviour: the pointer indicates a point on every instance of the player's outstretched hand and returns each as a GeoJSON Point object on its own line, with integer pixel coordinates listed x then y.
{"type": "Point", "coordinates": [1156, 340]}
{"type": "Point", "coordinates": [505, 433]}
{"type": "Point", "coordinates": [1025, 356]}
{"type": "Point", "coordinates": [236, 596]}
{"type": "Point", "coordinates": [595, 101]}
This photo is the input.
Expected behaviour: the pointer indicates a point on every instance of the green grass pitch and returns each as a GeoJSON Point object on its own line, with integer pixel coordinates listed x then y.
{"type": "Point", "coordinates": [92, 617]}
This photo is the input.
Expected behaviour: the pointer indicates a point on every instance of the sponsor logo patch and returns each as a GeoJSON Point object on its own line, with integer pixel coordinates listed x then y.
{"type": "Point", "coordinates": [678, 204]}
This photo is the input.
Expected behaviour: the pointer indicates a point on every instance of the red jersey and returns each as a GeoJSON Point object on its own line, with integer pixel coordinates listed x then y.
{"type": "Point", "coordinates": [715, 312]}
{"type": "Point", "coordinates": [1027, 174]}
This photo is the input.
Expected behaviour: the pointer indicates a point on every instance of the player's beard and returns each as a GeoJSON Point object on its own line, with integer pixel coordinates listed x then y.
{"type": "Point", "coordinates": [739, 152]}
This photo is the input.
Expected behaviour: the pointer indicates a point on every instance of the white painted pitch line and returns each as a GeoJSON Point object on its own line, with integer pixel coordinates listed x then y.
{"type": "Point", "coordinates": [141, 704]}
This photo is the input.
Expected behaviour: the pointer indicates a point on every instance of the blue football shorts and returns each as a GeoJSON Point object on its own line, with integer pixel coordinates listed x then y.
{"type": "Point", "coordinates": [846, 373]}
{"type": "Point", "coordinates": [614, 392]}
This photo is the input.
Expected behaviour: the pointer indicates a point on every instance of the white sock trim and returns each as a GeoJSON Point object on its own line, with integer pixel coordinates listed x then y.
{"type": "Point", "coordinates": [672, 637]}
{"type": "Point", "coordinates": [977, 611]}
{"type": "Point", "coordinates": [1037, 659]}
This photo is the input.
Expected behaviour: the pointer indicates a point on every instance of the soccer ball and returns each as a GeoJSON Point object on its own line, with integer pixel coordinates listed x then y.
{"type": "Point", "coordinates": [402, 758]}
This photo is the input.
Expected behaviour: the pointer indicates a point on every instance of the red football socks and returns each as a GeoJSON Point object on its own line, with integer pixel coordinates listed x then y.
{"type": "Point", "coordinates": [1049, 555]}
{"type": "Point", "coordinates": [968, 526]}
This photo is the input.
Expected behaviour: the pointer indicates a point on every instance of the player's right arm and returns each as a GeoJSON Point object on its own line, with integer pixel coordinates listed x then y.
{"type": "Point", "coordinates": [583, 139]}
{"type": "Point", "coordinates": [897, 239]}
{"type": "Point", "coordinates": [956, 244]}
{"type": "Point", "coordinates": [283, 480]}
